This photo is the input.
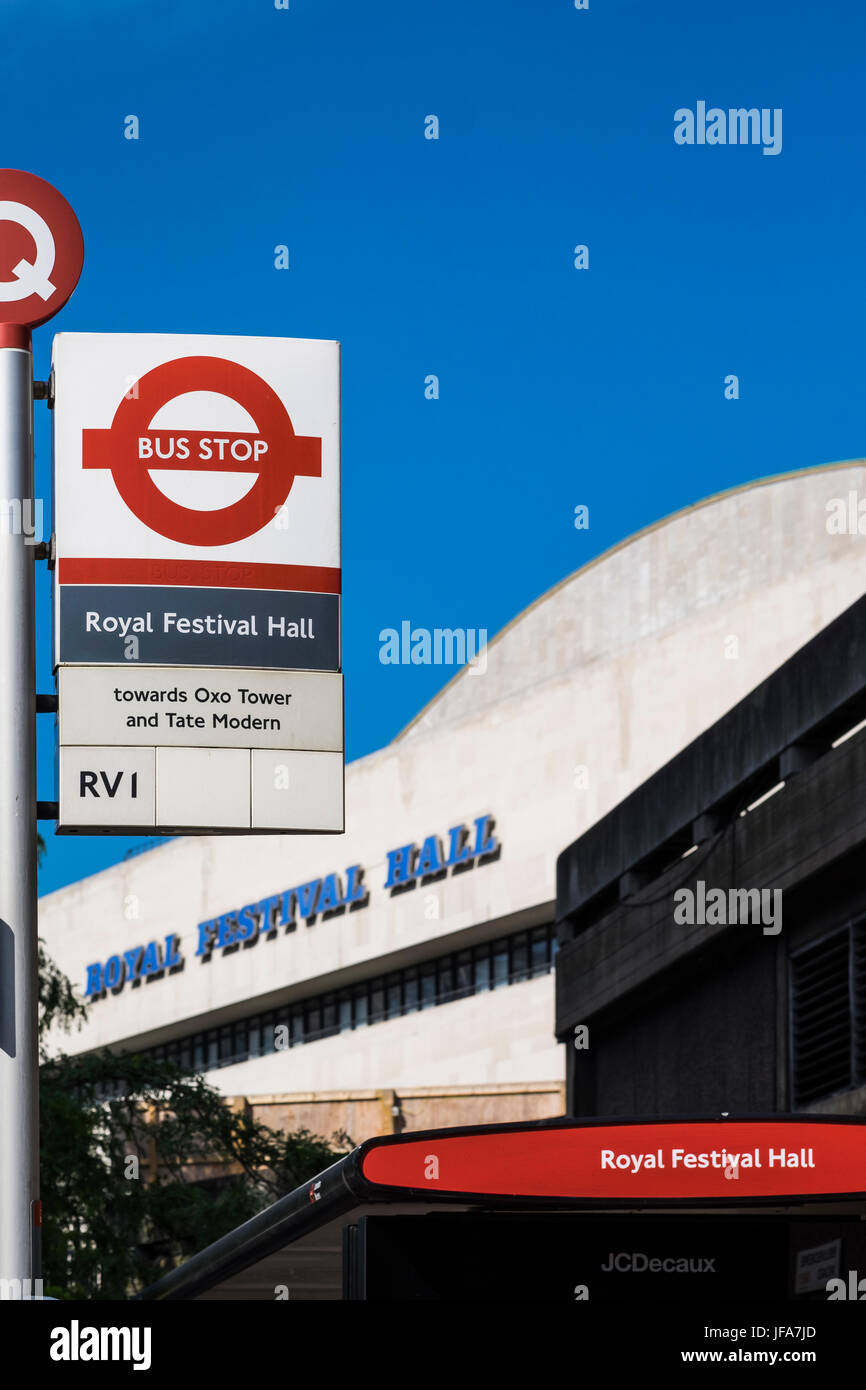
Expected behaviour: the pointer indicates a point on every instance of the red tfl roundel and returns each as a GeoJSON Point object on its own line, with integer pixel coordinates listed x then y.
{"type": "Point", "coordinates": [41, 249]}
{"type": "Point", "coordinates": [130, 449]}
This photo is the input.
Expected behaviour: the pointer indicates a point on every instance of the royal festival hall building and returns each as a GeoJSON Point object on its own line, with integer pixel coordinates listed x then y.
{"type": "Point", "coordinates": [400, 976]}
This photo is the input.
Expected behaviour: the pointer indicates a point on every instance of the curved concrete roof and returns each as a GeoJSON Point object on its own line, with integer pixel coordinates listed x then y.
{"type": "Point", "coordinates": [720, 549]}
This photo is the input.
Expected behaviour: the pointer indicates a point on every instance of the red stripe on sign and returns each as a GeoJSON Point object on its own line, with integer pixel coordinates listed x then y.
{"type": "Point", "coordinates": [686, 1160]}
{"type": "Point", "coordinates": [205, 574]}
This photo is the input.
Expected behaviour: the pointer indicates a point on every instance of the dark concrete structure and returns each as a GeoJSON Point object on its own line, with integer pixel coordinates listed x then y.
{"type": "Point", "coordinates": [752, 1016]}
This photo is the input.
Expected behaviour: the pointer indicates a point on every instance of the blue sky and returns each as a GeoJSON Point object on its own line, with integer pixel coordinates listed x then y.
{"type": "Point", "coordinates": [305, 126]}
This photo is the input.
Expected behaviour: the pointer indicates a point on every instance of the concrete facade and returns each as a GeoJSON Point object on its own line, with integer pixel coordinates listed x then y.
{"type": "Point", "coordinates": [694, 1012]}
{"type": "Point", "coordinates": [577, 702]}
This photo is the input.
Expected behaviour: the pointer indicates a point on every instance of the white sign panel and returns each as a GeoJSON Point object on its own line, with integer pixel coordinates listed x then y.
{"type": "Point", "coordinates": [197, 515]}
{"type": "Point", "coordinates": [179, 707]}
{"type": "Point", "coordinates": [147, 789]}
{"type": "Point", "coordinates": [108, 787]}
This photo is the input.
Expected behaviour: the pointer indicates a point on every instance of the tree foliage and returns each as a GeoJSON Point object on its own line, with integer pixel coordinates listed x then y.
{"type": "Point", "coordinates": [142, 1165]}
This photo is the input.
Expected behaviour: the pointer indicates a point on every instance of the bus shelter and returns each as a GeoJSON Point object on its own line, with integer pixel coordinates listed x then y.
{"type": "Point", "coordinates": [718, 1207]}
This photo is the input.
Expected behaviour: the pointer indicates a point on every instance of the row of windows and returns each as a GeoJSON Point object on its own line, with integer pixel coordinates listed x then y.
{"type": "Point", "coordinates": [456, 975]}
{"type": "Point", "coordinates": [827, 992]}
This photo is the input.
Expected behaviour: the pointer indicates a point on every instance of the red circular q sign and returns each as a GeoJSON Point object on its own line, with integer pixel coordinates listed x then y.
{"type": "Point", "coordinates": [130, 449]}
{"type": "Point", "coordinates": [41, 249]}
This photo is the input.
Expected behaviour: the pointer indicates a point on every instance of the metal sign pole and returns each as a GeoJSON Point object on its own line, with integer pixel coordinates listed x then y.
{"type": "Point", "coordinates": [19, 1069]}
{"type": "Point", "coordinates": [33, 288]}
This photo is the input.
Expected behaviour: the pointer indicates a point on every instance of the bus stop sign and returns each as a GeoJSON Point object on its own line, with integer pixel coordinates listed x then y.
{"type": "Point", "coordinates": [130, 449]}
{"type": "Point", "coordinates": [41, 249]}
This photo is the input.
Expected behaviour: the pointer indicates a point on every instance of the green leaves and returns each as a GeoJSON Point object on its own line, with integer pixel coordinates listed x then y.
{"type": "Point", "coordinates": [143, 1165]}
